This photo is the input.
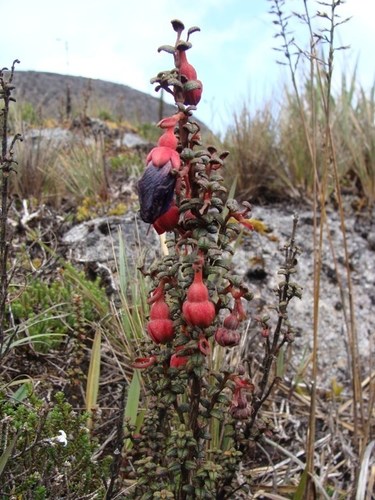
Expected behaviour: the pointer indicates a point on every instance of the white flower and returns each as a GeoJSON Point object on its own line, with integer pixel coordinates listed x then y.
{"type": "Point", "coordinates": [61, 438]}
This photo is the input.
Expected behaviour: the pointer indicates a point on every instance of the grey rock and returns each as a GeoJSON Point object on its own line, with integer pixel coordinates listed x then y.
{"type": "Point", "coordinates": [131, 140]}
{"type": "Point", "coordinates": [98, 240]}
{"type": "Point", "coordinates": [333, 304]}
{"type": "Point", "coordinates": [371, 240]}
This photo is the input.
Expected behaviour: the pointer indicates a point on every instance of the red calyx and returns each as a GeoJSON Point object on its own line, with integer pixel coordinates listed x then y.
{"type": "Point", "coordinates": [193, 96]}
{"type": "Point", "coordinates": [160, 327]}
{"type": "Point", "coordinates": [186, 69]}
{"type": "Point", "coordinates": [197, 309]}
{"type": "Point", "coordinates": [167, 221]}
{"type": "Point", "coordinates": [161, 155]}
{"type": "Point", "coordinates": [168, 139]}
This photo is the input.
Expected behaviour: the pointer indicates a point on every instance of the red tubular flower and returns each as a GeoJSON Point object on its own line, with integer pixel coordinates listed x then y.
{"type": "Point", "coordinates": [168, 221]}
{"type": "Point", "coordinates": [157, 184]}
{"type": "Point", "coordinates": [240, 408]}
{"type": "Point", "coordinates": [160, 327]}
{"type": "Point", "coordinates": [232, 321]}
{"type": "Point", "coordinates": [197, 309]}
{"type": "Point", "coordinates": [186, 69]}
{"type": "Point", "coordinates": [192, 86]}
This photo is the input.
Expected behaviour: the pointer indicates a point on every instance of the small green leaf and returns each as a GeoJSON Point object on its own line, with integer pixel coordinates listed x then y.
{"type": "Point", "coordinates": [93, 376]}
{"type": "Point", "coordinates": [193, 85]}
{"type": "Point", "coordinates": [193, 29]}
{"type": "Point", "coordinates": [178, 25]}
{"type": "Point", "coordinates": [7, 453]}
{"type": "Point", "coordinates": [300, 491]}
{"type": "Point", "coordinates": [217, 414]}
{"type": "Point", "coordinates": [190, 465]}
{"type": "Point", "coordinates": [166, 48]}
{"type": "Point", "coordinates": [22, 392]}
{"type": "Point", "coordinates": [132, 402]}
{"type": "Point", "coordinates": [183, 45]}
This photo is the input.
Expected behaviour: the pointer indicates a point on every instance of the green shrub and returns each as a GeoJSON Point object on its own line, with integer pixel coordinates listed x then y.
{"type": "Point", "coordinates": [51, 452]}
{"type": "Point", "coordinates": [50, 309]}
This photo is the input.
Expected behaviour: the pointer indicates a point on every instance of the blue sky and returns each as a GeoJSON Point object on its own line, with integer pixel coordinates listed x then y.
{"type": "Point", "coordinates": [117, 40]}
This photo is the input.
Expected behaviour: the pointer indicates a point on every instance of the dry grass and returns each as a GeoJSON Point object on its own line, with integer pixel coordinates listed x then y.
{"type": "Point", "coordinates": [336, 460]}
{"type": "Point", "coordinates": [270, 153]}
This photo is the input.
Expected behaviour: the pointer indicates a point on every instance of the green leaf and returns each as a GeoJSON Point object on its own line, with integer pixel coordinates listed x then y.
{"type": "Point", "coordinates": [7, 453]}
{"type": "Point", "coordinates": [183, 45]}
{"type": "Point", "coordinates": [178, 25]}
{"type": "Point", "coordinates": [93, 376]}
{"type": "Point", "coordinates": [131, 413]}
{"type": "Point", "coordinates": [280, 364]}
{"type": "Point", "coordinates": [167, 48]}
{"type": "Point", "coordinates": [22, 392]}
{"type": "Point", "coordinates": [132, 402]}
{"type": "Point", "coordinates": [190, 465]}
{"type": "Point", "coordinates": [216, 413]}
{"type": "Point", "coordinates": [300, 491]}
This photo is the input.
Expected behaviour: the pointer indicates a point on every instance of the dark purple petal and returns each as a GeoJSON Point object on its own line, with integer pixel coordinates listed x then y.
{"type": "Point", "coordinates": [155, 191]}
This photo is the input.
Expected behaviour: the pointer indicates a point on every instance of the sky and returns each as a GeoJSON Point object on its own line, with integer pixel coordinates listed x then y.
{"type": "Point", "coordinates": [117, 40]}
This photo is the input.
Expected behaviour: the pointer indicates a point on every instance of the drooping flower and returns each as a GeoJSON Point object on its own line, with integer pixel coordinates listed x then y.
{"type": "Point", "coordinates": [160, 327]}
{"type": "Point", "coordinates": [192, 92]}
{"type": "Point", "coordinates": [192, 87]}
{"type": "Point", "coordinates": [228, 334]}
{"type": "Point", "coordinates": [197, 309]}
{"type": "Point", "coordinates": [240, 407]}
{"type": "Point", "coordinates": [226, 337]}
{"type": "Point", "coordinates": [168, 221]}
{"type": "Point", "coordinates": [156, 186]}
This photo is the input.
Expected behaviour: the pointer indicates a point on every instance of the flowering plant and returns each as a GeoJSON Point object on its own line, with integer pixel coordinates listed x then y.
{"type": "Point", "coordinates": [190, 442]}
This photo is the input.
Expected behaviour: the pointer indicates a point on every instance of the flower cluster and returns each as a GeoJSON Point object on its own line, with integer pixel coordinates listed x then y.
{"type": "Point", "coordinates": [197, 309]}
{"type": "Point", "coordinates": [181, 191]}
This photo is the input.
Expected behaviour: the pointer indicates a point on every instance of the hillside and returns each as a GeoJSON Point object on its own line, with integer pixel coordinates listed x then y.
{"type": "Point", "coordinates": [47, 92]}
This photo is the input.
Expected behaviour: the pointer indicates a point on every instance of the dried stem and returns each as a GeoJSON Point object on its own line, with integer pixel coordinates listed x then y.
{"type": "Point", "coordinates": [6, 166]}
